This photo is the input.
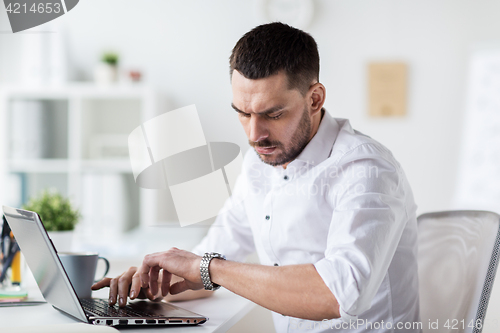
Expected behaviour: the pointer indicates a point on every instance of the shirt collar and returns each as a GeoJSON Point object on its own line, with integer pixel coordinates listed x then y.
{"type": "Point", "coordinates": [320, 146]}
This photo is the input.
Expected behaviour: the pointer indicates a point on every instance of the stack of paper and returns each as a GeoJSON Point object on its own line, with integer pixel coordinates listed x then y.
{"type": "Point", "coordinates": [13, 295]}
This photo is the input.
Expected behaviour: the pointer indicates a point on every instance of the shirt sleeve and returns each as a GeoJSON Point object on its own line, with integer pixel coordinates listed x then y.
{"type": "Point", "coordinates": [230, 234]}
{"type": "Point", "coordinates": [369, 217]}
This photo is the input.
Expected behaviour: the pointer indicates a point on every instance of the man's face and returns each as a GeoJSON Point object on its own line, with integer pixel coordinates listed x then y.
{"type": "Point", "coordinates": [276, 119]}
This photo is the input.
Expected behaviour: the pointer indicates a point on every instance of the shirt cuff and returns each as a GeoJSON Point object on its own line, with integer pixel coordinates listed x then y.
{"type": "Point", "coordinates": [345, 317]}
{"type": "Point", "coordinates": [341, 283]}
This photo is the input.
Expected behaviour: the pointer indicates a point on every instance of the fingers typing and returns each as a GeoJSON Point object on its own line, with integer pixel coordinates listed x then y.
{"type": "Point", "coordinates": [113, 290]}
{"type": "Point", "coordinates": [135, 287]}
{"type": "Point", "coordinates": [153, 279]}
{"type": "Point", "coordinates": [101, 284]}
{"type": "Point", "coordinates": [165, 282]}
{"type": "Point", "coordinates": [178, 287]}
{"type": "Point", "coordinates": [124, 283]}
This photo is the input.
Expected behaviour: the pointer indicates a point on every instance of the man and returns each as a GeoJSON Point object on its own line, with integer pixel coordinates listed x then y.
{"type": "Point", "coordinates": [328, 210]}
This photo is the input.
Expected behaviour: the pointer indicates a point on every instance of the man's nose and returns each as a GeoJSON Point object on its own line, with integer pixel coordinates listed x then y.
{"type": "Point", "coordinates": [258, 129]}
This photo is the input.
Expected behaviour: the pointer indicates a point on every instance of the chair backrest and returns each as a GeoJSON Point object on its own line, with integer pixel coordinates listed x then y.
{"type": "Point", "coordinates": [458, 254]}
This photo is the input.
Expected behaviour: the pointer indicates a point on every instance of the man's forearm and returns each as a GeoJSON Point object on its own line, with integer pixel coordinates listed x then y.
{"type": "Point", "coordinates": [295, 290]}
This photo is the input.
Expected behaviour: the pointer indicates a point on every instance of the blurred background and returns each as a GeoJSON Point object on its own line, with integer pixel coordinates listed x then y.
{"type": "Point", "coordinates": [72, 90]}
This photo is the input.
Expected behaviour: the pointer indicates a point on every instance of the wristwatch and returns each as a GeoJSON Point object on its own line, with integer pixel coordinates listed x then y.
{"type": "Point", "coordinates": [205, 275]}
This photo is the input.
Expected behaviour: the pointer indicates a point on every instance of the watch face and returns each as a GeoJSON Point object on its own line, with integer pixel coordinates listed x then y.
{"type": "Point", "coordinates": [217, 255]}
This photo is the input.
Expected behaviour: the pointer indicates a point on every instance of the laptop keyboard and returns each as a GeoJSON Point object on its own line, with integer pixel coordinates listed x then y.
{"type": "Point", "coordinates": [101, 308]}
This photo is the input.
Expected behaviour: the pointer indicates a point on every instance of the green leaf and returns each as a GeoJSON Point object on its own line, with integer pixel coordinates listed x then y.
{"type": "Point", "coordinates": [56, 211]}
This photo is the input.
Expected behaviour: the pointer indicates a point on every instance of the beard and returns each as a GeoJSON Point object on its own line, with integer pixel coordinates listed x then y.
{"type": "Point", "coordinates": [299, 141]}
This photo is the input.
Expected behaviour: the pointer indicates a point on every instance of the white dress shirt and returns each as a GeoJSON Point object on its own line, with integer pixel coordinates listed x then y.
{"type": "Point", "coordinates": [345, 205]}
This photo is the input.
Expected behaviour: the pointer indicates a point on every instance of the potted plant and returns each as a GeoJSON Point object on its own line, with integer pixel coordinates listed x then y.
{"type": "Point", "coordinates": [110, 58]}
{"type": "Point", "coordinates": [107, 71]}
{"type": "Point", "coordinates": [58, 217]}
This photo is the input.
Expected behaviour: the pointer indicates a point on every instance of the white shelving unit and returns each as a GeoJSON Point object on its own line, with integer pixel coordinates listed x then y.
{"type": "Point", "coordinates": [84, 130]}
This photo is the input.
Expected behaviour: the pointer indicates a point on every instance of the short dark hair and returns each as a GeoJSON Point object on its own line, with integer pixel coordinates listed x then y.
{"type": "Point", "coordinates": [270, 48]}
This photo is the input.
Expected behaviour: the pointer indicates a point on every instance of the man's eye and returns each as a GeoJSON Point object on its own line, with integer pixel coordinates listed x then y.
{"type": "Point", "coordinates": [243, 114]}
{"type": "Point", "coordinates": [276, 116]}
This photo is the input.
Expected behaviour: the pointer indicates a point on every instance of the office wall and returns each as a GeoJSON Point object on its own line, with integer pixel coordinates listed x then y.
{"type": "Point", "coordinates": [435, 38]}
{"type": "Point", "coordinates": [183, 46]}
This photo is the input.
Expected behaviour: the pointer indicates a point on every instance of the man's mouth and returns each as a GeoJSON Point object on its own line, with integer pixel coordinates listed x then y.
{"type": "Point", "coordinates": [265, 150]}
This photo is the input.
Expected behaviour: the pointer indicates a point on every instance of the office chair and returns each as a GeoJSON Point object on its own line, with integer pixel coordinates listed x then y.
{"type": "Point", "coordinates": [458, 253]}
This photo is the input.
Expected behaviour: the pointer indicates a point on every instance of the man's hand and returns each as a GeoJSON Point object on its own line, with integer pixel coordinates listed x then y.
{"type": "Point", "coordinates": [181, 263]}
{"type": "Point", "coordinates": [126, 285]}
{"type": "Point", "coordinates": [184, 274]}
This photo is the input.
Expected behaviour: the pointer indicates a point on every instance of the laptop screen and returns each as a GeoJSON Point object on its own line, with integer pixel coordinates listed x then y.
{"type": "Point", "coordinates": [43, 261]}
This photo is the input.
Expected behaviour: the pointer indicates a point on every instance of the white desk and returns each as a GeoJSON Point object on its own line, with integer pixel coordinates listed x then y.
{"type": "Point", "coordinates": [224, 309]}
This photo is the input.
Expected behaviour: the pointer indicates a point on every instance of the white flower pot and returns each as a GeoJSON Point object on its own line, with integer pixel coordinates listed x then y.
{"type": "Point", "coordinates": [105, 74]}
{"type": "Point", "coordinates": [62, 240]}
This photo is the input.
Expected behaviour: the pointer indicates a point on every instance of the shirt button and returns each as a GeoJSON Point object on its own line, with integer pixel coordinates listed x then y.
{"type": "Point", "coordinates": [276, 264]}
{"type": "Point", "coordinates": [268, 217]}
{"type": "Point", "coordinates": [285, 178]}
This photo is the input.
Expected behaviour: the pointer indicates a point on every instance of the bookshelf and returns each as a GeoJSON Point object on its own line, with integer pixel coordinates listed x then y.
{"type": "Point", "coordinates": [74, 138]}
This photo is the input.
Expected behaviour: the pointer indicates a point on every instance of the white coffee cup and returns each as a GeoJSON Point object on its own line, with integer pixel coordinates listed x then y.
{"type": "Point", "coordinates": [81, 268]}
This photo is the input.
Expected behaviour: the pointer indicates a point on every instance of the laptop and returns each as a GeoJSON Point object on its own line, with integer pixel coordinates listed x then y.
{"type": "Point", "coordinates": [49, 273]}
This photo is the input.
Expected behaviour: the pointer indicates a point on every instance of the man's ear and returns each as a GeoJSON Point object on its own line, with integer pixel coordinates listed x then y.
{"type": "Point", "coordinates": [316, 97]}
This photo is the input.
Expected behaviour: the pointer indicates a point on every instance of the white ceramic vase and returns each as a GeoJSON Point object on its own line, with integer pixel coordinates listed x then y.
{"type": "Point", "coordinates": [105, 74]}
{"type": "Point", "coordinates": [62, 240]}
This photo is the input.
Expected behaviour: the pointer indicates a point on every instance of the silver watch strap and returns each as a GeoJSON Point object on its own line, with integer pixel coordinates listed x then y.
{"type": "Point", "coordinates": [205, 274]}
